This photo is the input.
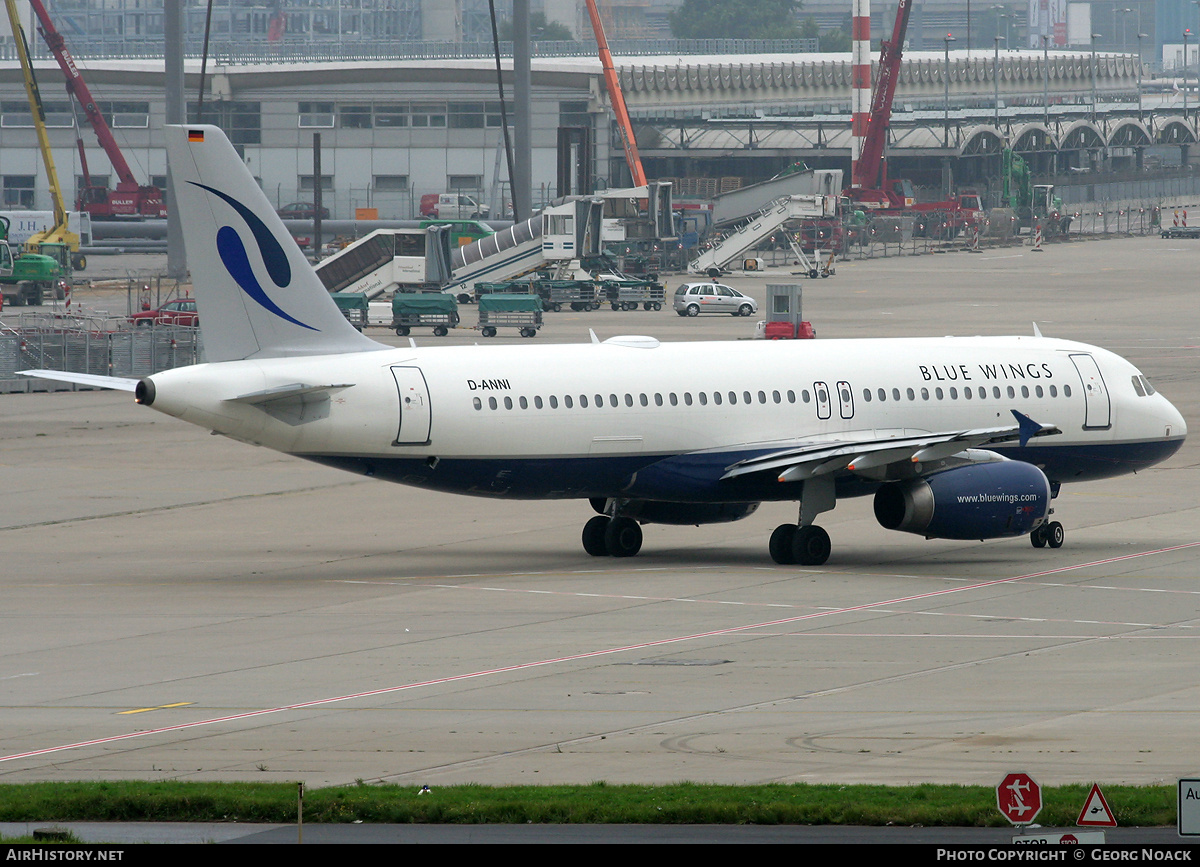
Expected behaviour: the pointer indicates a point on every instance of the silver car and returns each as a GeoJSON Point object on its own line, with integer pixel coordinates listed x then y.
{"type": "Point", "coordinates": [692, 299]}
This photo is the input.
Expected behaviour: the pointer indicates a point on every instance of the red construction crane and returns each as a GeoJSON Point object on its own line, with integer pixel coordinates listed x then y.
{"type": "Point", "coordinates": [129, 199]}
{"type": "Point", "coordinates": [870, 185]}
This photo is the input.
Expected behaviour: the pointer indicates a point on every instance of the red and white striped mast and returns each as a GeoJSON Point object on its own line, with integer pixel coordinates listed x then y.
{"type": "Point", "coordinates": [860, 77]}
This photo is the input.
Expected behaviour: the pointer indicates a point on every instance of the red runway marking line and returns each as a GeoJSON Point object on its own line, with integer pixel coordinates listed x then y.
{"type": "Point", "coordinates": [579, 656]}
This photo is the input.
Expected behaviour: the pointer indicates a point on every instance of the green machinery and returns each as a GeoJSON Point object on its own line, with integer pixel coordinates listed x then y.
{"type": "Point", "coordinates": [1034, 204]}
{"type": "Point", "coordinates": [27, 277]}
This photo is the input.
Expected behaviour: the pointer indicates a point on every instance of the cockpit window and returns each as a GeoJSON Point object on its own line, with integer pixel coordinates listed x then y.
{"type": "Point", "coordinates": [1142, 386]}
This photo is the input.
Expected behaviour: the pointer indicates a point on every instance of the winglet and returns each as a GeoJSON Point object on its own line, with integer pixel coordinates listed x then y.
{"type": "Point", "coordinates": [1037, 332]}
{"type": "Point", "coordinates": [1027, 426]}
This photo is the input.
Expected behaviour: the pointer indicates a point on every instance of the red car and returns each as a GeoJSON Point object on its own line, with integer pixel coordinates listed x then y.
{"type": "Point", "coordinates": [181, 311]}
{"type": "Point", "coordinates": [302, 211]}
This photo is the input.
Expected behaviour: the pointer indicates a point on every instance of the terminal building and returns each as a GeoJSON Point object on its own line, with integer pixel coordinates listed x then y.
{"type": "Point", "coordinates": [710, 114]}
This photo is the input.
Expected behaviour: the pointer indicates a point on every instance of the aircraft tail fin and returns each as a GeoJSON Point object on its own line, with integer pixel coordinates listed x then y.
{"type": "Point", "coordinates": [256, 294]}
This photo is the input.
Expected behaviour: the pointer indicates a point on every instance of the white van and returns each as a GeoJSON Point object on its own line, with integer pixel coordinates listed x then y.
{"type": "Point", "coordinates": [453, 206]}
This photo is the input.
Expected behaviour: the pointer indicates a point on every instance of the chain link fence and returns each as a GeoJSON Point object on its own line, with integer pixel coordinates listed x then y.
{"type": "Point", "coordinates": [945, 231]}
{"type": "Point", "coordinates": [103, 346]}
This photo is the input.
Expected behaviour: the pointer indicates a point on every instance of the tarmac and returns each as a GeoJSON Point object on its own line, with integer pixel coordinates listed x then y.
{"type": "Point", "coordinates": [180, 606]}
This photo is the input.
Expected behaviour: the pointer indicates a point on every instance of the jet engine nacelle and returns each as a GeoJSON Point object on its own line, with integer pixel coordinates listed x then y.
{"type": "Point", "coordinates": [979, 501]}
{"type": "Point", "coordinates": [660, 512]}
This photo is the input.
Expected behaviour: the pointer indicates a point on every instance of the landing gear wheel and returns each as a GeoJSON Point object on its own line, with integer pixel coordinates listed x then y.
{"type": "Point", "coordinates": [1038, 537]}
{"type": "Point", "coordinates": [623, 538]}
{"type": "Point", "coordinates": [811, 546]}
{"type": "Point", "coordinates": [464, 298]}
{"type": "Point", "coordinates": [1055, 534]}
{"type": "Point", "coordinates": [593, 536]}
{"type": "Point", "coordinates": [781, 545]}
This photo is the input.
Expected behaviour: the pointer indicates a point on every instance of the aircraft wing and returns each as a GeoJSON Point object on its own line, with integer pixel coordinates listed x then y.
{"type": "Point", "coordinates": [92, 380]}
{"type": "Point", "coordinates": [818, 458]}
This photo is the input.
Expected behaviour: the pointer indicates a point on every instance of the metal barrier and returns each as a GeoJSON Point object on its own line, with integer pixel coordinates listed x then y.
{"type": "Point", "coordinates": [942, 231]}
{"type": "Point", "coordinates": [90, 345]}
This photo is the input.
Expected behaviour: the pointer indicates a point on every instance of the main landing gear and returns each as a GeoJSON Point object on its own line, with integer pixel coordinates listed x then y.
{"type": "Point", "coordinates": [1051, 534]}
{"type": "Point", "coordinates": [792, 545]}
{"type": "Point", "coordinates": [804, 543]}
{"type": "Point", "coordinates": [612, 537]}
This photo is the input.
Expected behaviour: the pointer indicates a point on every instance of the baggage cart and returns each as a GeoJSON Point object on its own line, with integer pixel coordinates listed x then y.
{"type": "Point", "coordinates": [500, 310]}
{"type": "Point", "coordinates": [630, 294]}
{"type": "Point", "coordinates": [354, 306]}
{"type": "Point", "coordinates": [509, 287]}
{"type": "Point", "coordinates": [579, 294]}
{"type": "Point", "coordinates": [411, 309]}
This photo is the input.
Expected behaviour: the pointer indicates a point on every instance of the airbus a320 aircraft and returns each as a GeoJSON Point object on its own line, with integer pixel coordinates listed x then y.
{"type": "Point", "coordinates": [955, 438]}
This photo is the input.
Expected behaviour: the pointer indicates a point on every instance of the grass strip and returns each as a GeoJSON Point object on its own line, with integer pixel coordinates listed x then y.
{"type": "Point", "coordinates": [597, 803]}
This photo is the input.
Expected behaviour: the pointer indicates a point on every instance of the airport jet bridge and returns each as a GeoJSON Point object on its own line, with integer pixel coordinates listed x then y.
{"type": "Point", "coordinates": [387, 258]}
{"type": "Point", "coordinates": [411, 260]}
{"type": "Point", "coordinates": [563, 233]}
{"type": "Point", "coordinates": [762, 225]}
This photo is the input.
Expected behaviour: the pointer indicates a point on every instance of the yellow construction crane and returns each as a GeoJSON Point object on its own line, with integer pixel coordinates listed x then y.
{"type": "Point", "coordinates": [58, 242]}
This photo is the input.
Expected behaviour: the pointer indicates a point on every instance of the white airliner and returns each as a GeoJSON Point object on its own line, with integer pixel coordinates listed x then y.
{"type": "Point", "coordinates": [941, 432]}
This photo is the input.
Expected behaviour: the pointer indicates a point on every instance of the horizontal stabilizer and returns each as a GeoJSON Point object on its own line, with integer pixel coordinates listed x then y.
{"type": "Point", "coordinates": [92, 380]}
{"type": "Point", "coordinates": [293, 404]}
{"type": "Point", "coordinates": [285, 392]}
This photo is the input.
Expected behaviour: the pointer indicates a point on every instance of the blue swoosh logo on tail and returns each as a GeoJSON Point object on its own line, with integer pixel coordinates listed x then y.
{"type": "Point", "coordinates": [233, 254]}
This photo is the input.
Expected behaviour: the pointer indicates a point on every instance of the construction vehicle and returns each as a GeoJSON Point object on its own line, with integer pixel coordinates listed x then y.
{"type": "Point", "coordinates": [1033, 204]}
{"type": "Point", "coordinates": [944, 221]}
{"type": "Point", "coordinates": [27, 277]}
{"type": "Point", "coordinates": [130, 199]}
{"type": "Point", "coordinates": [870, 188]}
